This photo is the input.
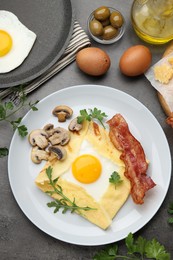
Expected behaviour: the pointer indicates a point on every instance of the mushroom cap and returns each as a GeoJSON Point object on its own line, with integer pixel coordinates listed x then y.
{"type": "Point", "coordinates": [60, 136]}
{"type": "Point", "coordinates": [38, 137]}
{"type": "Point", "coordinates": [62, 112]}
{"type": "Point", "coordinates": [59, 151]}
{"type": "Point", "coordinates": [74, 125]}
{"type": "Point", "coordinates": [37, 155]}
{"type": "Point", "coordinates": [49, 129]}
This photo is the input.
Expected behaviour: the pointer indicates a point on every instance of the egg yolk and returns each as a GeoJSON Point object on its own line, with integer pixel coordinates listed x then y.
{"type": "Point", "coordinates": [5, 43]}
{"type": "Point", "coordinates": [86, 168]}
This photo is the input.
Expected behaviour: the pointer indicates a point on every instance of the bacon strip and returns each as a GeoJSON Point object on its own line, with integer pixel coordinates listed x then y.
{"type": "Point", "coordinates": [133, 156]}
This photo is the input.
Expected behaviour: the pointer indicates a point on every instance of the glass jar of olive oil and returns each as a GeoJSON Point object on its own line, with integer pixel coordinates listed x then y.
{"type": "Point", "coordinates": [152, 20]}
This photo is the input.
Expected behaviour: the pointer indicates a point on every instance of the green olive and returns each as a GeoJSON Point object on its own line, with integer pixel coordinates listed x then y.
{"type": "Point", "coordinates": [109, 32]}
{"type": "Point", "coordinates": [96, 27]}
{"type": "Point", "coordinates": [116, 19]}
{"type": "Point", "coordinates": [102, 13]}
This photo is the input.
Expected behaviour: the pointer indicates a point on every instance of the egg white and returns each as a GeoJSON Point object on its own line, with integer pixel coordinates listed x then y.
{"type": "Point", "coordinates": [23, 40]}
{"type": "Point", "coordinates": [97, 188]}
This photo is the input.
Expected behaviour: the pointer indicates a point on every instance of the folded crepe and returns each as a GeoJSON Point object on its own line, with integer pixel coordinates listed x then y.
{"type": "Point", "coordinates": [113, 198]}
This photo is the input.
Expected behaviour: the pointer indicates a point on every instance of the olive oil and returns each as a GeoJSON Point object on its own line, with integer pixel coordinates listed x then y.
{"type": "Point", "coordinates": [152, 20]}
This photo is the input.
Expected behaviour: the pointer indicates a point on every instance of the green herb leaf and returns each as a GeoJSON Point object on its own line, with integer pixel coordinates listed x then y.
{"type": "Point", "coordinates": [115, 178]}
{"type": "Point", "coordinates": [129, 241]}
{"type": "Point", "coordinates": [98, 114]}
{"type": "Point", "coordinates": [2, 112]}
{"type": "Point", "coordinates": [83, 116]}
{"type": "Point", "coordinates": [3, 152]}
{"type": "Point", "coordinates": [32, 105]}
{"type": "Point", "coordinates": [64, 202]}
{"type": "Point", "coordinates": [137, 246]}
{"type": "Point", "coordinates": [57, 204]}
{"type": "Point", "coordinates": [170, 220]}
{"type": "Point", "coordinates": [91, 115]}
{"type": "Point", "coordinates": [8, 109]}
{"type": "Point", "coordinates": [49, 173]}
{"type": "Point", "coordinates": [9, 105]}
{"type": "Point", "coordinates": [16, 122]}
{"type": "Point", "coordinates": [34, 108]}
{"type": "Point", "coordinates": [138, 249]}
{"type": "Point", "coordinates": [155, 250]}
{"type": "Point", "coordinates": [23, 131]}
{"type": "Point", "coordinates": [170, 211]}
{"type": "Point", "coordinates": [140, 245]}
{"type": "Point", "coordinates": [109, 253]}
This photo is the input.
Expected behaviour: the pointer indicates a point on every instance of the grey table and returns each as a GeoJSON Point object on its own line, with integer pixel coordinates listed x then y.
{"type": "Point", "coordinates": [19, 238]}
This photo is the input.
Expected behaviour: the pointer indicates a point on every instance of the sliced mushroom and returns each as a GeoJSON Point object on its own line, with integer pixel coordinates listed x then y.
{"type": "Point", "coordinates": [59, 151]}
{"type": "Point", "coordinates": [37, 155]}
{"type": "Point", "coordinates": [38, 137]}
{"type": "Point", "coordinates": [62, 112]}
{"type": "Point", "coordinates": [60, 136]}
{"type": "Point", "coordinates": [75, 126]}
{"type": "Point", "coordinates": [49, 128]}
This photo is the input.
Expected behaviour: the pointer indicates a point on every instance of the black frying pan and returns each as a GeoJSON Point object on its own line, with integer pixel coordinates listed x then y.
{"type": "Point", "coordinates": [52, 21]}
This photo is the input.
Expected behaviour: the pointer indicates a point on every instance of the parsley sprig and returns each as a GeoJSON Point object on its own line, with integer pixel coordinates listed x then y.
{"type": "Point", "coordinates": [91, 114]}
{"type": "Point", "coordinates": [64, 203]}
{"type": "Point", "coordinates": [3, 152]}
{"type": "Point", "coordinates": [115, 178]}
{"type": "Point", "coordinates": [9, 109]}
{"type": "Point", "coordinates": [138, 249]}
{"type": "Point", "coordinates": [170, 211]}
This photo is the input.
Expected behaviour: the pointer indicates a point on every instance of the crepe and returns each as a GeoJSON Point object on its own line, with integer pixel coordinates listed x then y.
{"type": "Point", "coordinates": [112, 198]}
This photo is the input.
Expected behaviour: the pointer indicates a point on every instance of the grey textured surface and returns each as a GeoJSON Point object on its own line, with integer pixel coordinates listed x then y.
{"type": "Point", "coordinates": [19, 238]}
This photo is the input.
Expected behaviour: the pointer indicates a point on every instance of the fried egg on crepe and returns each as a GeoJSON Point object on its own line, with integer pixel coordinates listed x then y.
{"type": "Point", "coordinates": [102, 196]}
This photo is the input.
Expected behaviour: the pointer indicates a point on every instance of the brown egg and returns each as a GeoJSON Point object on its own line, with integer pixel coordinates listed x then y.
{"type": "Point", "coordinates": [135, 60]}
{"type": "Point", "coordinates": [93, 61]}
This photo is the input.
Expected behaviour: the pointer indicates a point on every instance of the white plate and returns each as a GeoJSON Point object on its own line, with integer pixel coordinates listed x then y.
{"type": "Point", "coordinates": [71, 227]}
